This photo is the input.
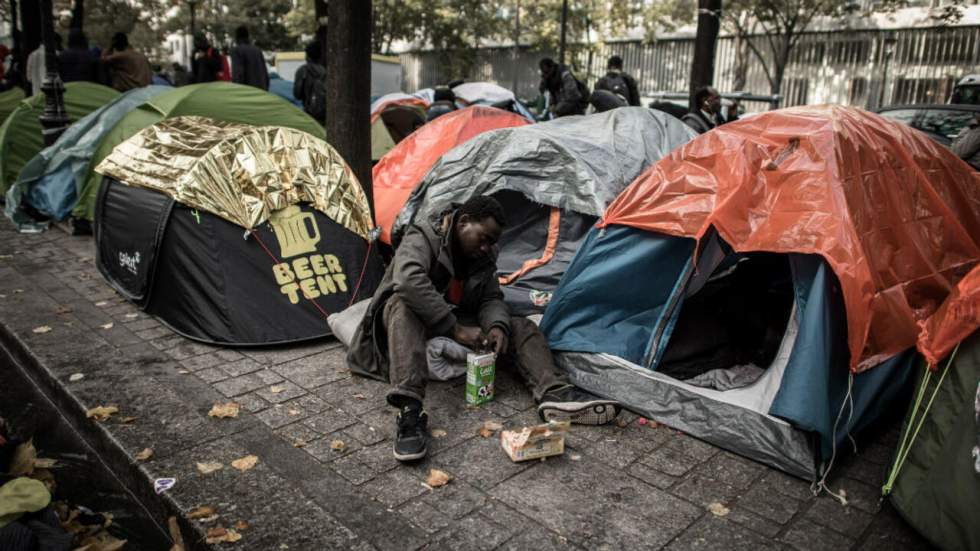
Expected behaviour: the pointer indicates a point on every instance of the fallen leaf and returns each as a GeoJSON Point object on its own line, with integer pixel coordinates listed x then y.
{"type": "Point", "coordinates": [245, 463]}
{"type": "Point", "coordinates": [209, 467]}
{"type": "Point", "coordinates": [338, 445]}
{"type": "Point", "coordinates": [219, 534]}
{"type": "Point", "coordinates": [107, 325]}
{"type": "Point", "coordinates": [653, 424]}
{"type": "Point", "coordinates": [575, 457]}
{"type": "Point", "coordinates": [241, 525]}
{"type": "Point", "coordinates": [62, 310]}
{"type": "Point", "coordinates": [127, 420]}
{"type": "Point", "coordinates": [294, 412]}
{"type": "Point", "coordinates": [144, 455]}
{"type": "Point", "coordinates": [46, 477]}
{"type": "Point", "coordinates": [718, 509]}
{"type": "Point", "coordinates": [438, 433]}
{"type": "Point", "coordinates": [622, 423]}
{"type": "Point", "coordinates": [359, 396]}
{"type": "Point", "coordinates": [175, 535]}
{"type": "Point", "coordinates": [488, 428]}
{"type": "Point", "coordinates": [228, 409]}
{"type": "Point", "coordinates": [132, 316]}
{"type": "Point", "coordinates": [201, 512]}
{"type": "Point", "coordinates": [277, 389]}
{"type": "Point", "coordinates": [76, 377]}
{"type": "Point", "coordinates": [101, 413]}
{"type": "Point", "coordinates": [42, 329]}
{"type": "Point", "coordinates": [22, 463]}
{"type": "Point", "coordinates": [437, 478]}
{"type": "Point", "coordinates": [299, 444]}
{"type": "Point", "coordinates": [45, 463]}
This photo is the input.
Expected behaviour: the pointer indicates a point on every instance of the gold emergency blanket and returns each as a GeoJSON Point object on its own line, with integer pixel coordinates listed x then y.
{"type": "Point", "coordinates": [240, 172]}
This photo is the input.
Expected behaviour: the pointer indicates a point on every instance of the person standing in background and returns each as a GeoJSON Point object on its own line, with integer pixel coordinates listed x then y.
{"type": "Point", "coordinates": [129, 69]}
{"type": "Point", "coordinates": [618, 82]}
{"type": "Point", "coordinates": [77, 62]}
{"type": "Point", "coordinates": [247, 62]}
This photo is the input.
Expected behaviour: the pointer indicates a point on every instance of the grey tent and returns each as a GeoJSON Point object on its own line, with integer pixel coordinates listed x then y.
{"type": "Point", "coordinates": [554, 180]}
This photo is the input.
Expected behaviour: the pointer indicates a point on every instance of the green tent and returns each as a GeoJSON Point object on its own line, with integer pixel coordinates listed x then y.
{"type": "Point", "coordinates": [221, 101]}
{"type": "Point", "coordinates": [20, 134]}
{"type": "Point", "coordinates": [937, 489]}
{"type": "Point", "coordinates": [9, 101]}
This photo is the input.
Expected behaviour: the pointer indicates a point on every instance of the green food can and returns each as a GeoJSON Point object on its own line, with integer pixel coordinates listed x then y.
{"type": "Point", "coordinates": [480, 372]}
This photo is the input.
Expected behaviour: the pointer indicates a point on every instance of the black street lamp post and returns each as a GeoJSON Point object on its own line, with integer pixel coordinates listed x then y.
{"type": "Point", "coordinates": [54, 120]}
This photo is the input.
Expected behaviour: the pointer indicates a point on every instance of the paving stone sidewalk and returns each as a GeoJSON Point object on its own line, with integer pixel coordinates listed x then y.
{"type": "Point", "coordinates": [628, 487]}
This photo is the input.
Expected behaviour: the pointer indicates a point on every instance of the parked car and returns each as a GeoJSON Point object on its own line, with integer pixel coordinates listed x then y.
{"type": "Point", "coordinates": [941, 122]}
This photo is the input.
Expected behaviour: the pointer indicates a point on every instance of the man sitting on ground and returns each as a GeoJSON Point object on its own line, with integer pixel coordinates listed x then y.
{"type": "Point", "coordinates": [443, 282]}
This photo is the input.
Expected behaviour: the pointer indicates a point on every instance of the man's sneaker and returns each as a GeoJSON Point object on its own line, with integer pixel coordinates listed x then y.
{"type": "Point", "coordinates": [578, 406]}
{"type": "Point", "coordinates": [412, 433]}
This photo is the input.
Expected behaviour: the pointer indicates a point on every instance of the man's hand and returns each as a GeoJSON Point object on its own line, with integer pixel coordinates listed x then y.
{"type": "Point", "coordinates": [470, 337]}
{"type": "Point", "coordinates": [497, 340]}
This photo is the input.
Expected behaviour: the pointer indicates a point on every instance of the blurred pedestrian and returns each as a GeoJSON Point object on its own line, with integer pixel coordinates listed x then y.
{"type": "Point", "coordinates": [618, 82]}
{"type": "Point", "coordinates": [247, 62]}
{"type": "Point", "coordinates": [160, 77]}
{"type": "Point", "coordinates": [206, 64]}
{"type": "Point", "coordinates": [36, 66]}
{"type": "Point", "coordinates": [77, 63]}
{"type": "Point", "coordinates": [310, 86]}
{"type": "Point", "coordinates": [443, 102]}
{"type": "Point", "coordinates": [705, 114]}
{"type": "Point", "coordinates": [567, 94]}
{"type": "Point", "coordinates": [967, 144]}
{"type": "Point", "coordinates": [179, 75]}
{"type": "Point", "coordinates": [128, 68]}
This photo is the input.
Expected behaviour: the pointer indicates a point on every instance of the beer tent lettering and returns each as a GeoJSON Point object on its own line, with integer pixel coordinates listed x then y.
{"type": "Point", "coordinates": [234, 234]}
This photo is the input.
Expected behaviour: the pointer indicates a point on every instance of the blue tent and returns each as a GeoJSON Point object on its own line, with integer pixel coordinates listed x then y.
{"type": "Point", "coordinates": [50, 180]}
{"type": "Point", "coordinates": [643, 319]}
{"type": "Point", "coordinates": [284, 89]}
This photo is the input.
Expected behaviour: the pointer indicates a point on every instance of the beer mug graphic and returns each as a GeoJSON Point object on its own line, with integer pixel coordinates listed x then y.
{"type": "Point", "coordinates": [294, 234]}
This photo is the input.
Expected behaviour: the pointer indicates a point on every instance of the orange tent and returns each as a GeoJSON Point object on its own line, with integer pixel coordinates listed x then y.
{"type": "Point", "coordinates": [896, 215]}
{"type": "Point", "coordinates": [955, 320]}
{"type": "Point", "coordinates": [402, 168]}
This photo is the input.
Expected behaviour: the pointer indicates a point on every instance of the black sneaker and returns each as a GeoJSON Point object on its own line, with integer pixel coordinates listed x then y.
{"type": "Point", "coordinates": [412, 433]}
{"type": "Point", "coordinates": [578, 406]}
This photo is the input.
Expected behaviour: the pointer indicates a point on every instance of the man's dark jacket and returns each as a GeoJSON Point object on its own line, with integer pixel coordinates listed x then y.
{"type": "Point", "coordinates": [248, 66]}
{"type": "Point", "coordinates": [420, 275]}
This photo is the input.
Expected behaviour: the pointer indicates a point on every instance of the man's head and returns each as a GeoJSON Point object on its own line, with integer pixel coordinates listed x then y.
{"type": "Point", "coordinates": [479, 224]}
{"type": "Point", "coordinates": [241, 35]}
{"type": "Point", "coordinates": [615, 63]}
{"type": "Point", "coordinates": [314, 51]}
{"type": "Point", "coordinates": [120, 41]}
{"type": "Point", "coordinates": [547, 66]}
{"type": "Point", "coordinates": [201, 42]}
{"type": "Point", "coordinates": [708, 100]}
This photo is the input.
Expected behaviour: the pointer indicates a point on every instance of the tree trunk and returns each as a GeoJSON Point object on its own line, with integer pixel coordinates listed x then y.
{"type": "Point", "coordinates": [348, 86]}
{"type": "Point", "coordinates": [741, 69]}
{"type": "Point", "coordinates": [779, 63]}
{"type": "Point", "coordinates": [78, 15]}
{"type": "Point", "coordinates": [703, 66]}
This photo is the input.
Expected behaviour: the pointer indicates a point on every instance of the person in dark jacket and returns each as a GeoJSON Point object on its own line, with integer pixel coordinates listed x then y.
{"type": "Point", "coordinates": [443, 282]}
{"type": "Point", "coordinates": [206, 63]}
{"type": "Point", "coordinates": [568, 96]}
{"type": "Point", "coordinates": [619, 83]}
{"type": "Point", "coordinates": [309, 86]}
{"type": "Point", "coordinates": [966, 146]}
{"type": "Point", "coordinates": [443, 102]}
{"type": "Point", "coordinates": [247, 62]}
{"type": "Point", "coordinates": [77, 63]}
{"type": "Point", "coordinates": [705, 114]}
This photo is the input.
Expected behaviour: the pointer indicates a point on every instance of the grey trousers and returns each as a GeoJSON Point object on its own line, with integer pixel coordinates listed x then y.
{"type": "Point", "coordinates": [527, 350]}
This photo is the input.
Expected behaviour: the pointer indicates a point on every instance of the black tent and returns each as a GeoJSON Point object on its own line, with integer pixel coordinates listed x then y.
{"type": "Point", "coordinates": [222, 282]}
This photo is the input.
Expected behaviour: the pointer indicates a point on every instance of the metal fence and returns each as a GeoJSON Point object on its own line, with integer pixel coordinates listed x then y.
{"type": "Point", "coordinates": [866, 68]}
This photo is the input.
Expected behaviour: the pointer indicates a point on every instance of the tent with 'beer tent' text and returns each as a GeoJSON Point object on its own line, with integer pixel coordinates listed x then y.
{"type": "Point", "coordinates": [553, 180]}
{"type": "Point", "coordinates": [234, 234]}
{"type": "Point", "coordinates": [763, 286]}
{"type": "Point", "coordinates": [402, 168]}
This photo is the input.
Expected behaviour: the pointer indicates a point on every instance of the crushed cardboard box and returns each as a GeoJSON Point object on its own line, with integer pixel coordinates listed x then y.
{"type": "Point", "coordinates": [535, 442]}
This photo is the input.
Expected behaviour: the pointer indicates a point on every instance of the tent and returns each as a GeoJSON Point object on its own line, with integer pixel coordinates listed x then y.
{"type": "Point", "coordinates": [762, 287]}
{"type": "Point", "coordinates": [9, 101]}
{"type": "Point", "coordinates": [397, 98]}
{"type": "Point", "coordinates": [402, 168]}
{"type": "Point", "coordinates": [50, 181]}
{"type": "Point", "coordinates": [20, 134]}
{"type": "Point", "coordinates": [283, 88]}
{"type": "Point", "coordinates": [234, 234]}
{"type": "Point", "coordinates": [222, 101]}
{"type": "Point", "coordinates": [488, 93]}
{"type": "Point", "coordinates": [392, 124]}
{"type": "Point", "coordinates": [933, 479]}
{"type": "Point", "coordinates": [554, 179]}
